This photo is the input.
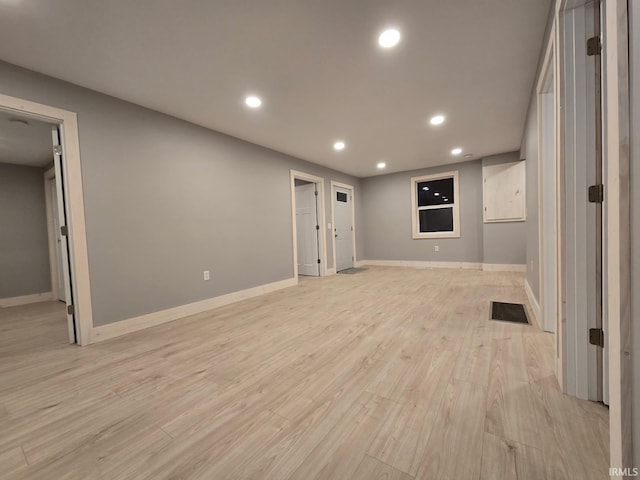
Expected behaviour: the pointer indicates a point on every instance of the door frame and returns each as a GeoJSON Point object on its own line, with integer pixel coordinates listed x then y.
{"type": "Point", "coordinates": [74, 202]}
{"type": "Point", "coordinates": [319, 181]}
{"type": "Point", "coordinates": [617, 222]}
{"type": "Point", "coordinates": [617, 256]}
{"type": "Point", "coordinates": [552, 61]}
{"type": "Point", "coordinates": [346, 186]}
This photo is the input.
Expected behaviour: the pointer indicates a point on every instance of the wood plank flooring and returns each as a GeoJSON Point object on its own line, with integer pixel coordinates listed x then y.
{"type": "Point", "coordinates": [392, 373]}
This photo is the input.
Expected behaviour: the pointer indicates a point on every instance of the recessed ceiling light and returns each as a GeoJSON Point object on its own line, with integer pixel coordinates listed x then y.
{"type": "Point", "coordinates": [436, 194]}
{"type": "Point", "coordinates": [456, 151]}
{"type": "Point", "coordinates": [252, 101]}
{"type": "Point", "coordinates": [339, 145]}
{"type": "Point", "coordinates": [381, 165]}
{"type": "Point", "coordinates": [426, 189]}
{"type": "Point", "coordinates": [437, 120]}
{"type": "Point", "coordinates": [389, 38]}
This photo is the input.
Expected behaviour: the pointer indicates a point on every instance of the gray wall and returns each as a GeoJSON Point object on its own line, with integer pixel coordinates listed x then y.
{"type": "Point", "coordinates": [387, 218]}
{"type": "Point", "coordinates": [387, 221]}
{"type": "Point", "coordinates": [504, 242]}
{"type": "Point", "coordinates": [635, 221]}
{"type": "Point", "coordinates": [166, 199]}
{"type": "Point", "coordinates": [24, 247]}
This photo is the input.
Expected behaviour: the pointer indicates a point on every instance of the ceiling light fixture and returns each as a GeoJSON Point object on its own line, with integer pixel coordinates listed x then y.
{"type": "Point", "coordinates": [437, 120]}
{"type": "Point", "coordinates": [436, 194]}
{"type": "Point", "coordinates": [252, 101]}
{"type": "Point", "coordinates": [426, 189]}
{"type": "Point", "coordinates": [456, 151]}
{"type": "Point", "coordinates": [389, 38]}
{"type": "Point", "coordinates": [381, 165]}
{"type": "Point", "coordinates": [339, 145]}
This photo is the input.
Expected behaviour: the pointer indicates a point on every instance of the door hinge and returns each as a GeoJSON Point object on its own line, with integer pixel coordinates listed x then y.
{"type": "Point", "coordinates": [317, 227]}
{"type": "Point", "coordinates": [596, 337]}
{"type": "Point", "coordinates": [318, 260]}
{"type": "Point", "coordinates": [596, 193]}
{"type": "Point", "coordinates": [57, 149]}
{"type": "Point", "coordinates": [316, 193]}
{"type": "Point", "coordinates": [64, 231]}
{"type": "Point", "coordinates": [70, 309]}
{"type": "Point", "coordinates": [594, 46]}
{"type": "Point", "coordinates": [352, 228]}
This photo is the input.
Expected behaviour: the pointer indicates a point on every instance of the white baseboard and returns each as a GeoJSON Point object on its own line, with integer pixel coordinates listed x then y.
{"type": "Point", "coordinates": [422, 264]}
{"type": "Point", "coordinates": [331, 271]}
{"type": "Point", "coordinates": [488, 267]}
{"type": "Point", "coordinates": [130, 325]}
{"type": "Point", "coordinates": [359, 263]}
{"type": "Point", "coordinates": [533, 301]}
{"type": "Point", "coordinates": [500, 267]}
{"type": "Point", "coordinates": [26, 299]}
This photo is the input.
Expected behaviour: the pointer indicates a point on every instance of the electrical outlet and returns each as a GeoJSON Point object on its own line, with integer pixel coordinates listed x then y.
{"type": "Point", "coordinates": [206, 275]}
{"type": "Point", "coordinates": [436, 248]}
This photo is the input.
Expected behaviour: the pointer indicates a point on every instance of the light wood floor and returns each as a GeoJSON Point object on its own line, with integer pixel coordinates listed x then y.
{"type": "Point", "coordinates": [390, 373]}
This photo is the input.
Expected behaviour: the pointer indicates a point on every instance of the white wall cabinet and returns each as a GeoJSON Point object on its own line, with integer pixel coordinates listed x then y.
{"type": "Point", "coordinates": [504, 192]}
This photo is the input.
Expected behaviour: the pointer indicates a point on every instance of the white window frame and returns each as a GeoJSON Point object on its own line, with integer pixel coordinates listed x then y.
{"type": "Point", "coordinates": [415, 210]}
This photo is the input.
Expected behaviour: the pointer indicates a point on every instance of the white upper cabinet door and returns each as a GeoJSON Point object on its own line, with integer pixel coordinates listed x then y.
{"type": "Point", "coordinates": [504, 192]}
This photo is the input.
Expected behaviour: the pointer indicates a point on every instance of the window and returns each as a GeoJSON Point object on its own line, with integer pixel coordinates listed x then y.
{"type": "Point", "coordinates": [435, 203]}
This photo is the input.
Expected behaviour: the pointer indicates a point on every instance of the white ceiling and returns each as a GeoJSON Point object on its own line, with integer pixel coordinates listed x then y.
{"type": "Point", "coordinates": [21, 144]}
{"type": "Point", "coordinates": [315, 63]}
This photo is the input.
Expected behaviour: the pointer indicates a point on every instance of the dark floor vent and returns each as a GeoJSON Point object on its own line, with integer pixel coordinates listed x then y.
{"type": "Point", "coordinates": [509, 312]}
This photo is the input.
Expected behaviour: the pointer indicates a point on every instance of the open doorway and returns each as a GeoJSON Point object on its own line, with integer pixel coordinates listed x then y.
{"type": "Point", "coordinates": [64, 145]}
{"type": "Point", "coordinates": [342, 217]}
{"type": "Point", "coordinates": [308, 218]}
{"type": "Point", "coordinates": [35, 281]}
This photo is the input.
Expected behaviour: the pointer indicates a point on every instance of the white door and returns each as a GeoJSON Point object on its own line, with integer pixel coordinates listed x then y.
{"type": "Point", "coordinates": [58, 288]}
{"type": "Point", "coordinates": [307, 230]}
{"type": "Point", "coordinates": [343, 227]}
{"type": "Point", "coordinates": [62, 233]}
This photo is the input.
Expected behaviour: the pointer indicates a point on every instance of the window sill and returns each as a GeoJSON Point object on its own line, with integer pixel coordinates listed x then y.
{"type": "Point", "coordinates": [422, 236]}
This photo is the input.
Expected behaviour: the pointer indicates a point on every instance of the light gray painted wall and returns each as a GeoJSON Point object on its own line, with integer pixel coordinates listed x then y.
{"type": "Point", "coordinates": [635, 220]}
{"type": "Point", "coordinates": [387, 218]}
{"type": "Point", "coordinates": [24, 247]}
{"type": "Point", "coordinates": [166, 199]}
{"type": "Point", "coordinates": [504, 242]}
{"type": "Point", "coordinates": [531, 157]}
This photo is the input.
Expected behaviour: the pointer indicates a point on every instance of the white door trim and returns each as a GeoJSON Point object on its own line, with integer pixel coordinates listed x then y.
{"type": "Point", "coordinates": [346, 186]}
{"type": "Point", "coordinates": [74, 201]}
{"type": "Point", "coordinates": [551, 60]}
{"type": "Point", "coordinates": [617, 264]}
{"type": "Point", "coordinates": [319, 181]}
